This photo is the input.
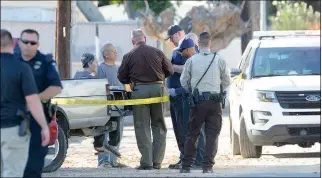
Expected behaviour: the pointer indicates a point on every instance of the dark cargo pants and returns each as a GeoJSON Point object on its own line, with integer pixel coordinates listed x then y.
{"type": "Point", "coordinates": [208, 113]}
{"type": "Point", "coordinates": [37, 152]}
{"type": "Point", "coordinates": [146, 116]}
{"type": "Point", "coordinates": [179, 110]}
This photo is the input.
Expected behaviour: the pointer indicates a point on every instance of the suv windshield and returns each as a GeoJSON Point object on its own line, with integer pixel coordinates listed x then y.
{"type": "Point", "coordinates": [287, 61]}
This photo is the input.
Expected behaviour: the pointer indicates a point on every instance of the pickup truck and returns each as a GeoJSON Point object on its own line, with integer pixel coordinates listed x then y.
{"type": "Point", "coordinates": [93, 120]}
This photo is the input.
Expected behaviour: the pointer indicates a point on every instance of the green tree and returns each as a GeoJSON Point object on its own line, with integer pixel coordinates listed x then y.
{"type": "Point", "coordinates": [294, 16]}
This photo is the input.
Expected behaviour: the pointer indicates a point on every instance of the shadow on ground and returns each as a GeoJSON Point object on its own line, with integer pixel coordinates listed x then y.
{"type": "Point", "coordinates": [235, 171]}
{"type": "Point", "coordinates": [296, 155]}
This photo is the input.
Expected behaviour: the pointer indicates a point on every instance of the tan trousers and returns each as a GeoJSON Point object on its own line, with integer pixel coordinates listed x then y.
{"type": "Point", "coordinates": [14, 152]}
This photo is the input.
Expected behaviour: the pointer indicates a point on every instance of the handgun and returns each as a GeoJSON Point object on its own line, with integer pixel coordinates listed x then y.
{"type": "Point", "coordinates": [24, 124]}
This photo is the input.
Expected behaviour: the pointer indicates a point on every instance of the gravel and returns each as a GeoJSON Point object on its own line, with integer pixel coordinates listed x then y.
{"type": "Point", "coordinates": [286, 161]}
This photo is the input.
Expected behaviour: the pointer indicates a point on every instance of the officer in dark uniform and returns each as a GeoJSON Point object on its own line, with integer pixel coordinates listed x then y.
{"type": "Point", "coordinates": [48, 83]}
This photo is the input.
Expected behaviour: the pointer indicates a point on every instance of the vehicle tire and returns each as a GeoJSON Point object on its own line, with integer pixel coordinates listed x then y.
{"type": "Point", "coordinates": [247, 149]}
{"type": "Point", "coordinates": [234, 140]}
{"type": "Point", "coordinates": [61, 153]}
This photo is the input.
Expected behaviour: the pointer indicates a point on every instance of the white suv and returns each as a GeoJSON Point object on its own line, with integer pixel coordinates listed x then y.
{"type": "Point", "coordinates": [275, 98]}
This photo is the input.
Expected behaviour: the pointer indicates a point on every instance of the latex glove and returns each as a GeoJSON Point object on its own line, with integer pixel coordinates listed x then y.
{"type": "Point", "coordinates": [172, 92]}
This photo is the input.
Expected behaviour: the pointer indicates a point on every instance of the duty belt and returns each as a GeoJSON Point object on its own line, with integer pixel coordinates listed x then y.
{"type": "Point", "coordinates": [148, 83]}
{"type": "Point", "coordinates": [211, 97]}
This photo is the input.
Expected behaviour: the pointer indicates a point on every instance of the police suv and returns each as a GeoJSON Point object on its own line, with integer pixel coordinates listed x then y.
{"type": "Point", "coordinates": [275, 93]}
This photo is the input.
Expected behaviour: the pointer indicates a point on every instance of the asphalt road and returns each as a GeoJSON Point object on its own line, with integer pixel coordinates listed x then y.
{"type": "Point", "coordinates": [286, 161]}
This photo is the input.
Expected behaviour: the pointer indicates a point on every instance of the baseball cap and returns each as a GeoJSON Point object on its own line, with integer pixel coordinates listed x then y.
{"type": "Point", "coordinates": [185, 43]}
{"type": "Point", "coordinates": [172, 30]}
{"type": "Point", "coordinates": [86, 58]}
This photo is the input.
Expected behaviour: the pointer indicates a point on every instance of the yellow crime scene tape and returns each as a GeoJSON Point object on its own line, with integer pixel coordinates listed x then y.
{"type": "Point", "coordinates": [65, 101]}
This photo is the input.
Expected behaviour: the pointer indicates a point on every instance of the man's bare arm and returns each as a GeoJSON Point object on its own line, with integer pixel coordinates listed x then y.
{"type": "Point", "coordinates": [178, 68]}
{"type": "Point", "coordinates": [50, 92]}
{"type": "Point", "coordinates": [35, 107]}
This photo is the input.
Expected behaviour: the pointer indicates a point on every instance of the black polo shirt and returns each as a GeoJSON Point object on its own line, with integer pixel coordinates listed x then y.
{"type": "Point", "coordinates": [17, 82]}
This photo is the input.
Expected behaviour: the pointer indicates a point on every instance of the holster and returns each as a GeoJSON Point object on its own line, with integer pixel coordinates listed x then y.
{"type": "Point", "coordinates": [191, 101]}
{"type": "Point", "coordinates": [24, 124]}
{"type": "Point", "coordinates": [223, 99]}
{"type": "Point", "coordinates": [196, 94]}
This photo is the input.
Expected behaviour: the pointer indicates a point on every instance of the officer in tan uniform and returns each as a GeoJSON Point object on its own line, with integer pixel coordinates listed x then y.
{"type": "Point", "coordinates": [202, 76]}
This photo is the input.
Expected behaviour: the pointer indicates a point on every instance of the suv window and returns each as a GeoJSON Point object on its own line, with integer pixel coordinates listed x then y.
{"type": "Point", "coordinates": [247, 60]}
{"type": "Point", "coordinates": [287, 61]}
{"type": "Point", "coordinates": [243, 61]}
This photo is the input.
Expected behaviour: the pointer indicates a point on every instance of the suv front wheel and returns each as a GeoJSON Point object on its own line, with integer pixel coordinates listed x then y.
{"type": "Point", "coordinates": [247, 149]}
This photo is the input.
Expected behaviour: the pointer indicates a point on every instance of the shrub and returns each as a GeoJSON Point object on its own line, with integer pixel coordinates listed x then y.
{"type": "Point", "coordinates": [294, 16]}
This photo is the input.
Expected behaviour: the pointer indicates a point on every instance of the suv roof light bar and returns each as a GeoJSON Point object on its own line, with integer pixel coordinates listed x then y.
{"type": "Point", "coordinates": [273, 34]}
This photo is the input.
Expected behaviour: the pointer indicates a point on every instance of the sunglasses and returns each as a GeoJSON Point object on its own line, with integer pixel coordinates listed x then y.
{"type": "Point", "coordinates": [28, 42]}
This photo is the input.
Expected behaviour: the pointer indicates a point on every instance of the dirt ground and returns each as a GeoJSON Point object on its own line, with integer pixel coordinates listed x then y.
{"type": "Point", "coordinates": [289, 161]}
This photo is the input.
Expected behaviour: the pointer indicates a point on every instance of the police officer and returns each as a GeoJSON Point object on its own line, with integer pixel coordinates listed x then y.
{"type": "Point", "coordinates": [202, 75]}
{"type": "Point", "coordinates": [18, 91]}
{"type": "Point", "coordinates": [48, 83]}
{"type": "Point", "coordinates": [179, 106]}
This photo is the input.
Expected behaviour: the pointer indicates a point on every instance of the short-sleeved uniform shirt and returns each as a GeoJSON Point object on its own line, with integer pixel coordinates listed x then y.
{"type": "Point", "coordinates": [174, 80]}
{"type": "Point", "coordinates": [45, 71]}
{"type": "Point", "coordinates": [17, 82]}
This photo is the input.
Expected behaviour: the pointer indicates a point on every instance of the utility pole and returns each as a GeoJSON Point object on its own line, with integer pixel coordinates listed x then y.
{"type": "Point", "coordinates": [263, 15]}
{"type": "Point", "coordinates": [62, 45]}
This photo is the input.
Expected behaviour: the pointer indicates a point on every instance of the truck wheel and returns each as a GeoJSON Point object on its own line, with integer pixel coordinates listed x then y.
{"type": "Point", "coordinates": [234, 140]}
{"type": "Point", "coordinates": [56, 153]}
{"type": "Point", "coordinates": [247, 149]}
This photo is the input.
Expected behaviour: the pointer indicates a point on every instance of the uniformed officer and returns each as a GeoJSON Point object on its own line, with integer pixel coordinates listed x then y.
{"type": "Point", "coordinates": [179, 106]}
{"type": "Point", "coordinates": [147, 67]}
{"type": "Point", "coordinates": [194, 38]}
{"type": "Point", "coordinates": [48, 83]}
{"type": "Point", "coordinates": [18, 93]}
{"type": "Point", "coordinates": [204, 72]}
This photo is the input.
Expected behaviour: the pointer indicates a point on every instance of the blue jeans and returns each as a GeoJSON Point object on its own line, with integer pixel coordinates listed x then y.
{"type": "Point", "coordinates": [180, 111]}
{"type": "Point", "coordinates": [109, 158]}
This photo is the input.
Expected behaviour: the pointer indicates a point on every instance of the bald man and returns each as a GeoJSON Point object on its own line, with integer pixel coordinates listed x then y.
{"type": "Point", "coordinates": [146, 68]}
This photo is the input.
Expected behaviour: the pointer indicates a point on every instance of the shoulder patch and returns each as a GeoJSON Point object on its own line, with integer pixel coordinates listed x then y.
{"type": "Point", "coordinates": [49, 58]}
{"type": "Point", "coordinates": [55, 66]}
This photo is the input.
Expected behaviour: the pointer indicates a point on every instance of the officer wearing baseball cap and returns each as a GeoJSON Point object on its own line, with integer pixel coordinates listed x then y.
{"type": "Point", "coordinates": [179, 105]}
{"type": "Point", "coordinates": [173, 30]}
{"type": "Point", "coordinates": [186, 45]}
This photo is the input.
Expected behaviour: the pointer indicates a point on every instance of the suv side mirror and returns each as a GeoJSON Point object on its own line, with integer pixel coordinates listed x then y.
{"type": "Point", "coordinates": [234, 72]}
